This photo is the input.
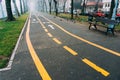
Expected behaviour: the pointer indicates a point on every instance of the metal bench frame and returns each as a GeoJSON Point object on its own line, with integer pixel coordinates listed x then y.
{"type": "Point", "coordinates": [108, 22]}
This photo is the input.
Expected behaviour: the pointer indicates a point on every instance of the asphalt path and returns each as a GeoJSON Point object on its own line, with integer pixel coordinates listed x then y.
{"type": "Point", "coordinates": [52, 48]}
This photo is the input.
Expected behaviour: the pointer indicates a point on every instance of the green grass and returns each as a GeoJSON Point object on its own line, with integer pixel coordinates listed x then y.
{"type": "Point", "coordinates": [9, 33]}
{"type": "Point", "coordinates": [118, 27]}
{"type": "Point", "coordinates": [80, 19]}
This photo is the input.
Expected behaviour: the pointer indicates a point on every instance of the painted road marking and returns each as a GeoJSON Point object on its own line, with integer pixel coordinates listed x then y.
{"type": "Point", "coordinates": [44, 27]}
{"type": "Point", "coordinates": [57, 41]}
{"type": "Point", "coordinates": [70, 50]}
{"type": "Point", "coordinates": [50, 35]}
{"type": "Point", "coordinates": [51, 26]}
{"type": "Point", "coordinates": [46, 30]}
{"type": "Point", "coordinates": [97, 68]}
{"type": "Point", "coordinates": [41, 23]}
{"type": "Point", "coordinates": [88, 62]}
{"type": "Point", "coordinates": [84, 40]}
{"type": "Point", "coordinates": [45, 22]}
{"type": "Point", "coordinates": [42, 71]}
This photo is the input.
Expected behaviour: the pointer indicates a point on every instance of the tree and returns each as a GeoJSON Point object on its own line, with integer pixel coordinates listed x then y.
{"type": "Point", "coordinates": [96, 6]}
{"type": "Point", "coordinates": [50, 7]}
{"type": "Point", "coordinates": [21, 7]}
{"type": "Point", "coordinates": [24, 7]}
{"type": "Point", "coordinates": [45, 5]}
{"type": "Point", "coordinates": [9, 11]}
{"type": "Point", "coordinates": [1, 8]}
{"type": "Point", "coordinates": [64, 5]}
{"type": "Point", "coordinates": [72, 9]}
{"type": "Point", "coordinates": [16, 9]}
{"type": "Point", "coordinates": [111, 8]}
{"type": "Point", "coordinates": [83, 7]}
{"type": "Point", "coordinates": [25, 3]}
{"type": "Point", "coordinates": [56, 8]}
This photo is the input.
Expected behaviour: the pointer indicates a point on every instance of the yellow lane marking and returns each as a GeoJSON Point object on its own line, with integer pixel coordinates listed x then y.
{"type": "Point", "coordinates": [40, 22]}
{"type": "Point", "coordinates": [97, 68]}
{"type": "Point", "coordinates": [46, 30]}
{"type": "Point", "coordinates": [57, 41]}
{"type": "Point", "coordinates": [70, 50]}
{"type": "Point", "coordinates": [42, 71]}
{"type": "Point", "coordinates": [44, 27]}
{"type": "Point", "coordinates": [84, 40]}
{"type": "Point", "coordinates": [50, 35]}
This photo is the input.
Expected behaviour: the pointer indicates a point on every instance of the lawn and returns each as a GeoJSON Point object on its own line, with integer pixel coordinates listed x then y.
{"type": "Point", "coordinates": [81, 18]}
{"type": "Point", "coordinates": [9, 33]}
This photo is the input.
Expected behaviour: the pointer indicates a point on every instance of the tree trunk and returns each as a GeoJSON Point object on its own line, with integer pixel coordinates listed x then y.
{"type": "Point", "coordinates": [21, 8]}
{"type": "Point", "coordinates": [111, 8]}
{"type": "Point", "coordinates": [56, 9]}
{"type": "Point", "coordinates": [24, 6]}
{"type": "Point", "coordinates": [83, 7]}
{"type": "Point", "coordinates": [16, 9]}
{"type": "Point", "coordinates": [64, 6]}
{"type": "Point", "coordinates": [50, 6]}
{"type": "Point", "coordinates": [72, 9]}
{"type": "Point", "coordinates": [2, 10]}
{"type": "Point", "coordinates": [45, 5]}
{"type": "Point", "coordinates": [96, 6]}
{"type": "Point", "coordinates": [9, 11]}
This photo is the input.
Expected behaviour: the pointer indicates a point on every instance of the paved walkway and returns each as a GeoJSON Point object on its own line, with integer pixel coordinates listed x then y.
{"type": "Point", "coordinates": [67, 52]}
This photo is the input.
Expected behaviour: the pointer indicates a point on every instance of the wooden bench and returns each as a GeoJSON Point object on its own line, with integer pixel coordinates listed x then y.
{"type": "Point", "coordinates": [99, 21]}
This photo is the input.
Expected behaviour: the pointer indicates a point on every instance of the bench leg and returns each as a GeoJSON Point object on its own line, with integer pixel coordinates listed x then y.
{"type": "Point", "coordinates": [95, 26]}
{"type": "Point", "coordinates": [110, 30]}
{"type": "Point", "coordinates": [90, 25]}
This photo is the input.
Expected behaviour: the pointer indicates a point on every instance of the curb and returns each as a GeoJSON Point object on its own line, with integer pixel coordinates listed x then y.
{"type": "Point", "coordinates": [14, 50]}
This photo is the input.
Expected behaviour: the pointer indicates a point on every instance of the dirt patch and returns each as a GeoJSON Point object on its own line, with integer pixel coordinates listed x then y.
{"type": "Point", "coordinates": [3, 57]}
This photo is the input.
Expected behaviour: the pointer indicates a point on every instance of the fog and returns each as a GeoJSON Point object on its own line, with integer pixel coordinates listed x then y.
{"type": "Point", "coordinates": [3, 7]}
{"type": "Point", "coordinates": [33, 6]}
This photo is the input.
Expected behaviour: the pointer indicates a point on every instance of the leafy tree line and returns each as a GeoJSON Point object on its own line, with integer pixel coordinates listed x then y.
{"type": "Point", "coordinates": [51, 4]}
{"type": "Point", "coordinates": [23, 8]}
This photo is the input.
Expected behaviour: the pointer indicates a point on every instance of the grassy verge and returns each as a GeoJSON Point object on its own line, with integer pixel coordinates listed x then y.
{"type": "Point", "coordinates": [80, 19]}
{"type": "Point", "coordinates": [77, 18]}
{"type": "Point", "coordinates": [9, 33]}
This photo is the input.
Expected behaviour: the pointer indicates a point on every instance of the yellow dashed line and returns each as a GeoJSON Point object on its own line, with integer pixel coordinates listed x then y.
{"type": "Point", "coordinates": [42, 71]}
{"type": "Point", "coordinates": [57, 41]}
{"type": "Point", "coordinates": [46, 30]}
{"type": "Point", "coordinates": [84, 40]}
{"type": "Point", "coordinates": [50, 35]}
{"type": "Point", "coordinates": [97, 68]}
{"type": "Point", "coordinates": [70, 50]}
{"type": "Point", "coordinates": [44, 27]}
{"type": "Point", "coordinates": [91, 64]}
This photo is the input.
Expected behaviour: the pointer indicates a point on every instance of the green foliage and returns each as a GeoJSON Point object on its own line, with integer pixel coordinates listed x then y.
{"type": "Point", "coordinates": [9, 33]}
{"type": "Point", "coordinates": [77, 18]}
{"type": "Point", "coordinates": [117, 27]}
